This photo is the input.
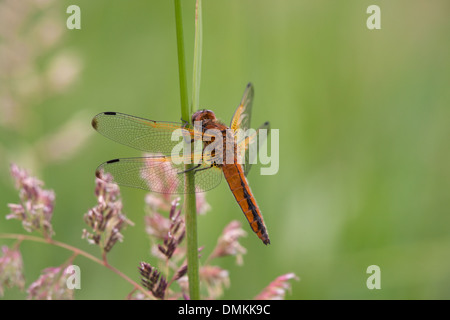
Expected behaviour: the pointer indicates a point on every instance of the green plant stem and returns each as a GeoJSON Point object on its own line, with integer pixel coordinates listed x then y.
{"type": "Point", "coordinates": [185, 111]}
{"type": "Point", "coordinates": [76, 251]}
{"type": "Point", "coordinates": [197, 65]}
{"type": "Point", "coordinates": [189, 199]}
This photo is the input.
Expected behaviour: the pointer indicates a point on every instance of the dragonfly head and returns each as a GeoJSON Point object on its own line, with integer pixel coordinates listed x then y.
{"type": "Point", "coordinates": [202, 115]}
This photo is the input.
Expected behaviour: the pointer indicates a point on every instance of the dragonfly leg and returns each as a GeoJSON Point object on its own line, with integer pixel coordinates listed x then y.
{"type": "Point", "coordinates": [185, 123]}
{"type": "Point", "coordinates": [211, 166]}
{"type": "Point", "coordinates": [195, 169]}
{"type": "Point", "coordinates": [184, 126]}
{"type": "Point", "coordinates": [190, 169]}
{"type": "Point", "coordinates": [204, 168]}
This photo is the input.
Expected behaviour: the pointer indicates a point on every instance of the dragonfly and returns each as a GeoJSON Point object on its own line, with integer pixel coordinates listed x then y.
{"type": "Point", "coordinates": [159, 172]}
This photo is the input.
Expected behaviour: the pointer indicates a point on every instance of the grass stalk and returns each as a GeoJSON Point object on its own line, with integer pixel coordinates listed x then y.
{"type": "Point", "coordinates": [197, 65]}
{"type": "Point", "coordinates": [189, 199]}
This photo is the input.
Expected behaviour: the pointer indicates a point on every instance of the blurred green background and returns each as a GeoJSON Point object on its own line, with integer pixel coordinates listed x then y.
{"type": "Point", "coordinates": [363, 116]}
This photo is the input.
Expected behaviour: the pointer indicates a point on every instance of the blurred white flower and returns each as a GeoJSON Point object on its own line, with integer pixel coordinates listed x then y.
{"type": "Point", "coordinates": [29, 31]}
{"type": "Point", "coordinates": [66, 140]}
{"type": "Point", "coordinates": [63, 70]}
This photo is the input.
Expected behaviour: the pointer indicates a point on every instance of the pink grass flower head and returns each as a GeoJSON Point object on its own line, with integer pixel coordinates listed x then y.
{"type": "Point", "coordinates": [161, 202]}
{"type": "Point", "coordinates": [11, 269]}
{"type": "Point", "coordinates": [176, 232]}
{"type": "Point", "coordinates": [152, 279]}
{"type": "Point", "coordinates": [216, 279]}
{"type": "Point", "coordinates": [276, 290]}
{"type": "Point", "coordinates": [106, 219]}
{"type": "Point", "coordinates": [156, 224]}
{"type": "Point", "coordinates": [228, 244]}
{"type": "Point", "coordinates": [51, 285]}
{"type": "Point", "coordinates": [157, 202]}
{"type": "Point", "coordinates": [36, 204]}
{"type": "Point", "coordinates": [202, 205]}
{"type": "Point", "coordinates": [170, 231]}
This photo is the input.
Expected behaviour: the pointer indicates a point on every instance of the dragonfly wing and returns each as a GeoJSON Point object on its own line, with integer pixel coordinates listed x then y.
{"type": "Point", "coordinates": [158, 174]}
{"type": "Point", "coordinates": [249, 146]}
{"type": "Point", "coordinates": [242, 115]}
{"type": "Point", "coordinates": [142, 134]}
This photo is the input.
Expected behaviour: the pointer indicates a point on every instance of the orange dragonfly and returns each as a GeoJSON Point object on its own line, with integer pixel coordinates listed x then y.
{"type": "Point", "coordinates": [159, 173]}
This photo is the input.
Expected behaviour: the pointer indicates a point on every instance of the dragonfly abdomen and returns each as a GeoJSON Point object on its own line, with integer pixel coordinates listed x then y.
{"type": "Point", "coordinates": [244, 197]}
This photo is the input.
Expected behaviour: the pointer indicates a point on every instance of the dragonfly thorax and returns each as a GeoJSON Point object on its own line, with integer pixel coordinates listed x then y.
{"type": "Point", "coordinates": [202, 115]}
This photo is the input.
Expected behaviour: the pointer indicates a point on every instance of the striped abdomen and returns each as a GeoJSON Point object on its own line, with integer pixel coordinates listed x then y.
{"type": "Point", "coordinates": [244, 197]}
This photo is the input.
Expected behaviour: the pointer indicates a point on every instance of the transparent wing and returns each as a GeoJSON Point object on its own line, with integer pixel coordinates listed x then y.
{"type": "Point", "coordinates": [242, 115]}
{"type": "Point", "coordinates": [248, 146]}
{"type": "Point", "coordinates": [142, 134]}
{"type": "Point", "coordinates": [159, 174]}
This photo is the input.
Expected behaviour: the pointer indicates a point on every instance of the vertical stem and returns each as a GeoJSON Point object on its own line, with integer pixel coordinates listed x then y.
{"type": "Point", "coordinates": [197, 70]}
{"type": "Point", "coordinates": [189, 199]}
{"type": "Point", "coordinates": [191, 238]}
{"type": "Point", "coordinates": [185, 111]}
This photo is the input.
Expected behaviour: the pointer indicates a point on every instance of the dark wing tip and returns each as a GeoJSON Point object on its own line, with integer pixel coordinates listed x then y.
{"type": "Point", "coordinates": [99, 171]}
{"type": "Point", "coordinates": [250, 88]}
{"type": "Point", "coordinates": [94, 123]}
